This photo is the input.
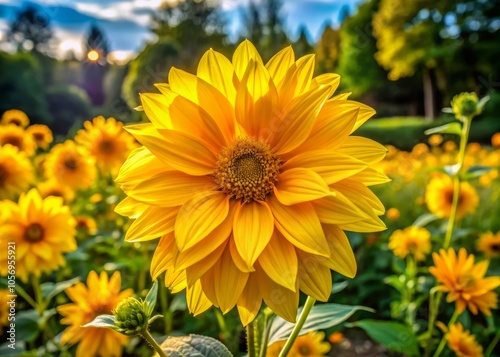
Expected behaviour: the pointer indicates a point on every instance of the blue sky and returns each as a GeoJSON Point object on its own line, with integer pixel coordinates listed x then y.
{"type": "Point", "coordinates": [125, 22]}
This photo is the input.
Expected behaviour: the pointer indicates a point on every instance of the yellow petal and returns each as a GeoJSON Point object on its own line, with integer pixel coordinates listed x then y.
{"type": "Point", "coordinates": [363, 149]}
{"type": "Point", "coordinates": [279, 261]}
{"type": "Point", "coordinates": [242, 56]}
{"type": "Point", "coordinates": [250, 301]}
{"type": "Point", "coordinates": [175, 281]}
{"type": "Point", "coordinates": [156, 107]}
{"type": "Point", "coordinates": [296, 121]}
{"type": "Point", "coordinates": [200, 216]}
{"type": "Point", "coordinates": [252, 229]}
{"type": "Point", "coordinates": [315, 279]}
{"type": "Point", "coordinates": [282, 301]}
{"type": "Point", "coordinates": [355, 190]}
{"type": "Point", "coordinates": [331, 166]}
{"type": "Point", "coordinates": [299, 185]}
{"type": "Point", "coordinates": [337, 209]}
{"type": "Point", "coordinates": [255, 100]}
{"type": "Point", "coordinates": [217, 70]}
{"type": "Point", "coordinates": [326, 79]}
{"type": "Point", "coordinates": [370, 177]}
{"type": "Point", "coordinates": [280, 63]}
{"type": "Point", "coordinates": [139, 161]}
{"type": "Point", "coordinates": [305, 233]}
{"type": "Point", "coordinates": [237, 259]}
{"type": "Point", "coordinates": [365, 113]}
{"type": "Point", "coordinates": [168, 189]}
{"type": "Point", "coordinates": [130, 208]}
{"type": "Point", "coordinates": [199, 269]}
{"type": "Point", "coordinates": [297, 79]}
{"type": "Point", "coordinates": [366, 226]}
{"type": "Point", "coordinates": [197, 301]}
{"type": "Point", "coordinates": [153, 223]}
{"type": "Point", "coordinates": [342, 258]}
{"type": "Point", "coordinates": [164, 255]}
{"type": "Point", "coordinates": [229, 281]}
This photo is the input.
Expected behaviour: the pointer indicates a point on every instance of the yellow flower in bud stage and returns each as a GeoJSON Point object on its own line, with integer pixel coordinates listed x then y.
{"type": "Point", "coordinates": [70, 165]}
{"type": "Point", "coordinates": [439, 197]}
{"type": "Point", "coordinates": [16, 136]}
{"type": "Point", "coordinates": [336, 338]}
{"type": "Point", "coordinates": [450, 146]}
{"type": "Point", "coordinates": [464, 281]}
{"type": "Point", "coordinates": [15, 117]}
{"type": "Point", "coordinates": [250, 175]}
{"type": "Point", "coordinates": [131, 316]}
{"type": "Point", "coordinates": [42, 229]}
{"type": "Point", "coordinates": [107, 142]}
{"type": "Point", "coordinates": [489, 244]}
{"type": "Point", "coordinates": [311, 344]}
{"type": "Point", "coordinates": [412, 240]}
{"type": "Point", "coordinates": [54, 188]}
{"type": "Point", "coordinates": [462, 342]}
{"type": "Point", "coordinates": [16, 172]}
{"type": "Point", "coordinates": [393, 213]}
{"type": "Point", "coordinates": [495, 140]}
{"type": "Point", "coordinates": [465, 105]}
{"type": "Point", "coordinates": [435, 140]}
{"type": "Point", "coordinates": [100, 296]}
{"type": "Point", "coordinates": [4, 308]}
{"type": "Point", "coordinates": [41, 134]}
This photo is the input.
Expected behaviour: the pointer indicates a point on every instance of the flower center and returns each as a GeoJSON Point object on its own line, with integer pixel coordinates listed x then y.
{"type": "Point", "coordinates": [15, 121]}
{"type": "Point", "coordinates": [38, 136]}
{"type": "Point", "coordinates": [34, 232]}
{"type": "Point", "coordinates": [247, 169]}
{"type": "Point", "coordinates": [13, 140]}
{"type": "Point", "coordinates": [3, 175]}
{"type": "Point", "coordinates": [494, 247]}
{"type": "Point", "coordinates": [70, 164]}
{"type": "Point", "coordinates": [106, 146]}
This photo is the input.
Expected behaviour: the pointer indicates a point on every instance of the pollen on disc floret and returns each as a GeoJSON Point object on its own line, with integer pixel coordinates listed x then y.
{"type": "Point", "coordinates": [247, 169]}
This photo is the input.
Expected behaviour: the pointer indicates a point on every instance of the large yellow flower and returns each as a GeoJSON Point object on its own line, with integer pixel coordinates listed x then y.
{"type": "Point", "coordinates": [42, 135]}
{"type": "Point", "coordinates": [15, 117]}
{"type": "Point", "coordinates": [16, 172]}
{"type": "Point", "coordinates": [464, 281]}
{"type": "Point", "coordinates": [42, 229]}
{"type": "Point", "coordinates": [489, 244]}
{"type": "Point", "coordinates": [16, 136]}
{"type": "Point", "coordinates": [250, 175]}
{"type": "Point", "coordinates": [412, 240]}
{"type": "Point", "coordinates": [311, 344]}
{"type": "Point", "coordinates": [70, 165]}
{"type": "Point", "coordinates": [462, 342]}
{"type": "Point", "coordinates": [100, 296]}
{"type": "Point", "coordinates": [439, 197]}
{"type": "Point", "coordinates": [106, 140]}
{"type": "Point", "coordinates": [5, 296]}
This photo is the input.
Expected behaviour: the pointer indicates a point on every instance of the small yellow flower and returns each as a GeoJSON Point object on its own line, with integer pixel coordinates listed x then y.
{"type": "Point", "coordinates": [435, 139]}
{"type": "Point", "coordinates": [41, 134]}
{"type": "Point", "coordinates": [43, 229]}
{"type": "Point", "coordinates": [393, 214]}
{"type": "Point", "coordinates": [100, 296]}
{"type": "Point", "coordinates": [16, 172]}
{"type": "Point", "coordinates": [462, 342]}
{"type": "Point", "coordinates": [465, 105]}
{"type": "Point", "coordinates": [450, 146]}
{"type": "Point", "coordinates": [250, 176]}
{"type": "Point", "coordinates": [439, 197]}
{"type": "Point", "coordinates": [489, 244]}
{"type": "Point", "coordinates": [15, 117]}
{"type": "Point", "coordinates": [311, 344]}
{"type": "Point", "coordinates": [464, 281]}
{"type": "Point", "coordinates": [495, 140]}
{"type": "Point", "coordinates": [54, 188]}
{"type": "Point", "coordinates": [86, 225]}
{"type": "Point", "coordinates": [336, 338]}
{"type": "Point", "coordinates": [106, 140]}
{"type": "Point", "coordinates": [16, 136]}
{"type": "Point", "coordinates": [412, 240]}
{"type": "Point", "coordinates": [70, 165]}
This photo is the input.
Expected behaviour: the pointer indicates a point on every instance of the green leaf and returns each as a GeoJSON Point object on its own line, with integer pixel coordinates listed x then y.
{"type": "Point", "coordinates": [425, 219]}
{"type": "Point", "coordinates": [338, 287]}
{"type": "Point", "coordinates": [476, 171]}
{"type": "Point", "coordinates": [194, 346]}
{"type": "Point", "coordinates": [49, 290]}
{"type": "Point", "coordinates": [103, 321]}
{"type": "Point", "coordinates": [393, 335]}
{"type": "Point", "coordinates": [321, 317]}
{"type": "Point", "coordinates": [482, 102]}
{"type": "Point", "coordinates": [151, 298]}
{"type": "Point", "coordinates": [451, 128]}
{"type": "Point", "coordinates": [27, 327]}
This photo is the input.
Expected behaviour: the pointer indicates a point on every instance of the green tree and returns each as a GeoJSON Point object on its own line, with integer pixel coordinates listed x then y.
{"type": "Point", "coordinates": [31, 31]}
{"type": "Point", "coordinates": [328, 50]}
{"type": "Point", "coordinates": [302, 45]}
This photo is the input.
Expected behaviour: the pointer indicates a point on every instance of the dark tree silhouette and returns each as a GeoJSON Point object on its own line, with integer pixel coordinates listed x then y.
{"type": "Point", "coordinates": [31, 31]}
{"type": "Point", "coordinates": [96, 67]}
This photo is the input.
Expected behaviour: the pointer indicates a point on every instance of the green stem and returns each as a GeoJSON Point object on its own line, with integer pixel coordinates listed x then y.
{"type": "Point", "coordinates": [298, 326]}
{"type": "Point", "coordinates": [265, 336]}
{"type": "Point", "coordinates": [40, 303]}
{"type": "Point", "coordinates": [25, 296]}
{"type": "Point", "coordinates": [492, 345]}
{"type": "Point", "coordinates": [433, 306]}
{"type": "Point", "coordinates": [250, 340]}
{"type": "Point", "coordinates": [442, 343]}
{"type": "Point", "coordinates": [147, 336]}
{"type": "Point", "coordinates": [411, 269]}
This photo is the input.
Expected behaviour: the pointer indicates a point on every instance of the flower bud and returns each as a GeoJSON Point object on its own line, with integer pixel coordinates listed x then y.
{"type": "Point", "coordinates": [131, 316]}
{"type": "Point", "coordinates": [466, 105]}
